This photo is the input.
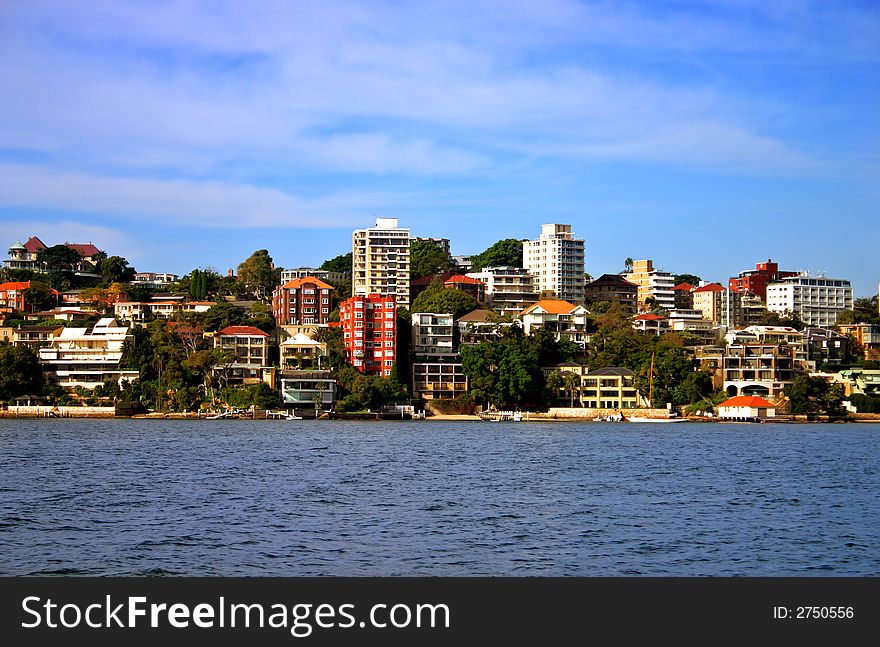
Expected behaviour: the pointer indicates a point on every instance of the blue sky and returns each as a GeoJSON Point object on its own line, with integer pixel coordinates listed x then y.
{"type": "Point", "coordinates": [705, 135]}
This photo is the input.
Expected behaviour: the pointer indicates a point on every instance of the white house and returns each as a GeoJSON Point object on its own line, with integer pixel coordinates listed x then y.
{"type": "Point", "coordinates": [744, 407]}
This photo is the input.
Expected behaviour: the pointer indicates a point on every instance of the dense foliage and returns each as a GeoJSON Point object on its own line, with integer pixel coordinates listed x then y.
{"type": "Point", "coordinates": [507, 251]}
{"type": "Point", "coordinates": [20, 372]}
{"type": "Point", "coordinates": [814, 395]}
{"type": "Point", "coordinates": [443, 300]}
{"type": "Point", "coordinates": [427, 258]}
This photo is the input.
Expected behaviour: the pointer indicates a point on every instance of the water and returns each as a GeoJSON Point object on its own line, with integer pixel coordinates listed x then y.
{"type": "Point", "coordinates": [120, 497]}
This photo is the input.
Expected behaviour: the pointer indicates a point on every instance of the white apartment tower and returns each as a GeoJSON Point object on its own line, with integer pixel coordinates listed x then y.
{"type": "Point", "coordinates": [652, 283]}
{"type": "Point", "coordinates": [816, 300]}
{"type": "Point", "coordinates": [380, 261]}
{"type": "Point", "coordinates": [556, 259]}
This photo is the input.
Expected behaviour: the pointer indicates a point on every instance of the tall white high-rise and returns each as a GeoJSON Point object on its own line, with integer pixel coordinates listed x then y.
{"type": "Point", "coordinates": [816, 300]}
{"type": "Point", "coordinates": [380, 261]}
{"type": "Point", "coordinates": [556, 259]}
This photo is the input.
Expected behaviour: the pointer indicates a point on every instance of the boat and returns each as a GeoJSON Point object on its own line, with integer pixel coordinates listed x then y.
{"type": "Point", "coordinates": [633, 419]}
{"type": "Point", "coordinates": [502, 416]}
{"type": "Point", "coordinates": [292, 416]}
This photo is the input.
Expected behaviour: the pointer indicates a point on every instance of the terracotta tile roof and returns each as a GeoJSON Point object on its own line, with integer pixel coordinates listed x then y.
{"type": "Point", "coordinates": [747, 401]}
{"type": "Point", "coordinates": [712, 287]}
{"type": "Point", "coordinates": [648, 316]}
{"type": "Point", "coordinates": [298, 283]}
{"type": "Point", "coordinates": [15, 285]}
{"type": "Point", "coordinates": [461, 278]}
{"type": "Point", "coordinates": [244, 331]}
{"type": "Point", "coordinates": [687, 287]}
{"type": "Point", "coordinates": [551, 306]}
{"type": "Point", "coordinates": [34, 244]}
{"type": "Point", "coordinates": [477, 315]}
{"type": "Point", "coordinates": [83, 249]}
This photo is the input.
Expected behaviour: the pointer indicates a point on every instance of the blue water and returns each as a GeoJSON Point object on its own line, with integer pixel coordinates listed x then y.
{"type": "Point", "coordinates": [120, 497]}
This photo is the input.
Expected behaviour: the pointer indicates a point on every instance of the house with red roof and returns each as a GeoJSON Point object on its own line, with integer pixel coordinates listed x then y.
{"type": "Point", "coordinates": [746, 407]}
{"type": "Point", "coordinates": [650, 322]}
{"type": "Point", "coordinates": [249, 349]}
{"type": "Point", "coordinates": [24, 256]}
{"type": "Point", "coordinates": [474, 287]}
{"type": "Point", "coordinates": [683, 299]}
{"type": "Point", "coordinates": [708, 300]}
{"type": "Point", "coordinates": [565, 320]}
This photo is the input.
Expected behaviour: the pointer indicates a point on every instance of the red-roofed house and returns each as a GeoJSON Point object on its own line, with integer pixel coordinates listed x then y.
{"type": "Point", "coordinates": [474, 287]}
{"type": "Point", "coordinates": [683, 300]}
{"type": "Point", "coordinates": [565, 320]}
{"type": "Point", "coordinates": [746, 407]}
{"type": "Point", "coordinates": [302, 301]}
{"type": "Point", "coordinates": [24, 257]}
{"type": "Point", "coordinates": [250, 347]}
{"type": "Point", "coordinates": [649, 322]}
{"type": "Point", "coordinates": [708, 300]}
{"type": "Point", "coordinates": [12, 296]}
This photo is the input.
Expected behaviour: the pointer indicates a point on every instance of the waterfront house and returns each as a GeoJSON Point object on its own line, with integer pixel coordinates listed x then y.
{"type": "Point", "coordinates": [746, 407]}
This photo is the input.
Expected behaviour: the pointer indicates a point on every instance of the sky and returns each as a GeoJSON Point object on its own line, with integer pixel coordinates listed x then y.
{"type": "Point", "coordinates": [707, 136]}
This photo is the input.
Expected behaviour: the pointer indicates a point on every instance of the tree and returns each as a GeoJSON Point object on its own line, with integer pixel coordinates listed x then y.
{"type": "Point", "coordinates": [39, 296]}
{"type": "Point", "coordinates": [572, 383]}
{"type": "Point", "coordinates": [257, 273]}
{"type": "Point", "coordinates": [223, 314]}
{"type": "Point", "coordinates": [507, 251]}
{"type": "Point", "coordinates": [628, 265]}
{"type": "Point", "coordinates": [788, 318]}
{"type": "Point", "coordinates": [20, 372]}
{"type": "Point", "coordinates": [693, 279]}
{"type": "Point", "coordinates": [59, 258]}
{"type": "Point", "coordinates": [440, 299]}
{"type": "Point", "coordinates": [427, 258]}
{"type": "Point", "coordinates": [115, 269]}
{"type": "Point", "coordinates": [813, 395]}
{"type": "Point", "coordinates": [341, 263]}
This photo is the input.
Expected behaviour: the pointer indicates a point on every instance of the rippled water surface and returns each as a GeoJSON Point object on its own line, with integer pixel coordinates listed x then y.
{"type": "Point", "coordinates": [122, 497]}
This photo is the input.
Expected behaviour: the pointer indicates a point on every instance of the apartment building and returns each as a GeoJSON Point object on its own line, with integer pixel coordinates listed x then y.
{"type": "Point", "coordinates": [87, 357]}
{"type": "Point", "coordinates": [139, 313]}
{"type": "Point", "coordinates": [759, 369]}
{"type": "Point", "coordinates": [380, 261]}
{"type": "Point", "coordinates": [708, 300]}
{"type": "Point", "coordinates": [565, 320]}
{"type": "Point", "coordinates": [556, 259]}
{"type": "Point", "coordinates": [653, 285]}
{"type": "Point", "coordinates": [250, 349]}
{"type": "Point", "coordinates": [757, 280]}
{"type": "Point", "coordinates": [612, 288]}
{"type": "Point", "coordinates": [302, 301]}
{"type": "Point", "coordinates": [507, 289]}
{"type": "Point", "coordinates": [816, 300]}
{"type": "Point", "coordinates": [369, 330]}
{"type": "Point", "coordinates": [305, 272]}
{"type": "Point", "coordinates": [866, 335]}
{"type": "Point", "coordinates": [610, 388]}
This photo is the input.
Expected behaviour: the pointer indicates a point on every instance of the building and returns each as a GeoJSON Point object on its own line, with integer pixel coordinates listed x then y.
{"type": "Point", "coordinates": [556, 259]}
{"type": "Point", "coordinates": [35, 336]}
{"type": "Point", "coordinates": [612, 288]}
{"type": "Point", "coordinates": [683, 298]}
{"type": "Point", "coordinates": [823, 346]}
{"type": "Point", "coordinates": [249, 347]}
{"type": "Point", "coordinates": [565, 395]}
{"type": "Point", "coordinates": [746, 407]}
{"type": "Point", "coordinates": [154, 280]}
{"type": "Point", "coordinates": [650, 322]}
{"type": "Point", "coordinates": [737, 309]}
{"type": "Point", "coordinates": [507, 289]}
{"type": "Point", "coordinates": [308, 389]}
{"type": "Point", "coordinates": [432, 335]}
{"type": "Point", "coordinates": [815, 300]}
{"type": "Point", "coordinates": [304, 272]}
{"type": "Point", "coordinates": [859, 381]}
{"type": "Point", "coordinates": [369, 331]}
{"type": "Point", "coordinates": [463, 262]}
{"type": "Point", "coordinates": [24, 257]}
{"type": "Point", "coordinates": [757, 280]}
{"type": "Point", "coordinates": [708, 300]}
{"type": "Point", "coordinates": [480, 326]}
{"type": "Point", "coordinates": [565, 320]}
{"type": "Point", "coordinates": [470, 285]}
{"type": "Point", "coordinates": [139, 313]}
{"type": "Point", "coordinates": [12, 296]}
{"type": "Point", "coordinates": [760, 369]}
{"type": "Point", "coordinates": [301, 352]}
{"type": "Point", "coordinates": [380, 261]}
{"type": "Point", "coordinates": [691, 322]}
{"type": "Point", "coordinates": [302, 301]}
{"type": "Point", "coordinates": [87, 357]}
{"type": "Point", "coordinates": [438, 380]}
{"type": "Point", "coordinates": [655, 287]}
{"type": "Point", "coordinates": [867, 336]}
{"type": "Point", "coordinates": [610, 388]}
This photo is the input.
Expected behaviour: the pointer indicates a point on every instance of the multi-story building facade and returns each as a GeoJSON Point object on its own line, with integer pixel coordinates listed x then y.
{"type": "Point", "coordinates": [708, 300]}
{"type": "Point", "coordinates": [87, 357]}
{"type": "Point", "coordinates": [369, 330]}
{"type": "Point", "coordinates": [816, 300]}
{"type": "Point", "coordinates": [757, 280]}
{"type": "Point", "coordinates": [481, 326]}
{"type": "Point", "coordinates": [867, 336]}
{"type": "Point", "coordinates": [250, 349]}
{"type": "Point", "coordinates": [436, 369]}
{"type": "Point", "coordinates": [508, 289]}
{"type": "Point", "coordinates": [683, 298]}
{"type": "Point", "coordinates": [380, 261]}
{"type": "Point", "coordinates": [759, 369]}
{"type": "Point", "coordinates": [138, 313]}
{"type": "Point", "coordinates": [650, 322]}
{"type": "Point", "coordinates": [432, 336]}
{"type": "Point", "coordinates": [556, 259]}
{"type": "Point", "coordinates": [653, 285]}
{"type": "Point", "coordinates": [565, 320]}
{"type": "Point", "coordinates": [691, 322]}
{"type": "Point", "coordinates": [24, 257]}
{"type": "Point", "coordinates": [302, 301]}
{"type": "Point", "coordinates": [610, 388]}
{"type": "Point", "coordinates": [155, 280]}
{"type": "Point", "coordinates": [308, 389]}
{"type": "Point", "coordinates": [301, 352]}
{"type": "Point", "coordinates": [12, 296]}
{"type": "Point", "coordinates": [612, 288]}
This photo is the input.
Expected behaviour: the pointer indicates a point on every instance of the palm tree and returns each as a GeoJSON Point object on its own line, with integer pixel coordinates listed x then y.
{"type": "Point", "coordinates": [572, 382]}
{"type": "Point", "coordinates": [628, 265]}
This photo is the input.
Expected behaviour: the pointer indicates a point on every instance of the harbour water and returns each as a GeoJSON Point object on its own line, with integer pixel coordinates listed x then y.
{"type": "Point", "coordinates": [293, 498]}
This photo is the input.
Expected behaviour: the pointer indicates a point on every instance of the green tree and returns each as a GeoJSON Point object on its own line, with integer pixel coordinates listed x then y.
{"type": "Point", "coordinates": [440, 299]}
{"type": "Point", "coordinates": [628, 265]}
{"type": "Point", "coordinates": [58, 258]}
{"type": "Point", "coordinates": [341, 263]}
{"type": "Point", "coordinates": [814, 395]}
{"type": "Point", "coordinates": [693, 279]}
{"type": "Point", "coordinates": [257, 273]}
{"type": "Point", "coordinates": [427, 258]}
{"type": "Point", "coordinates": [507, 251]}
{"type": "Point", "coordinates": [223, 314]}
{"type": "Point", "coordinates": [786, 319]}
{"type": "Point", "coordinates": [20, 372]}
{"type": "Point", "coordinates": [115, 269]}
{"type": "Point", "coordinates": [39, 296]}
